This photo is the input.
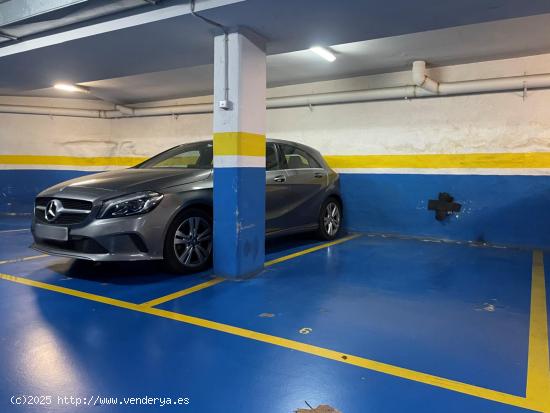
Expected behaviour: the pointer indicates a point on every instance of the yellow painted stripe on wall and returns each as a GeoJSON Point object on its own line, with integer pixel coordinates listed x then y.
{"type": "Point", "coordinates": [239, 143]}
{"type": "Point", "coordinates": [439, 161]}
{"type": "Point", "coordinates": [431, 161]}
{"type": "Point", "coordinates": [69, 160]}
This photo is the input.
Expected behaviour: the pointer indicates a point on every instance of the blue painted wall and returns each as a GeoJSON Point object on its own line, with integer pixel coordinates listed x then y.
{"type": "Point", "coordinates": [513, 210]}
{"type": "Point", "coordinates": [19, 187]}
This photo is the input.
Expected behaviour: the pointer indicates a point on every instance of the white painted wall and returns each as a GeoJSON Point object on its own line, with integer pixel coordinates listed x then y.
{"type": "Point", "coordinates": [489, 123]}
{"type": "Point", "coordinates": [504, 122]}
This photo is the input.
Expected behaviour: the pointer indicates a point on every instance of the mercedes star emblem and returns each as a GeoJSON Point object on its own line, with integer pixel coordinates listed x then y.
{"type": "Point", "coordinates": [53, 209]}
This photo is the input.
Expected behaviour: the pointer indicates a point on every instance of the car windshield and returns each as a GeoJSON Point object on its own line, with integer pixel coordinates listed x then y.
{"type": "Point", "coordinates": [189, 156]}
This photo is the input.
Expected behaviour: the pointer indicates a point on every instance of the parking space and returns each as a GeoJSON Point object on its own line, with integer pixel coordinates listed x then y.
{"type": "Point", "coordinates": [189, 362]}
{"type": "Point", "coordinates": [432, 307]}
{"type": "Point", "coordinates": [411, 320]}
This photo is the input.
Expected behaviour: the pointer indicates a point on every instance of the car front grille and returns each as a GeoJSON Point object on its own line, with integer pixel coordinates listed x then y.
{"type": "Point", "coordinates": [74, 211]}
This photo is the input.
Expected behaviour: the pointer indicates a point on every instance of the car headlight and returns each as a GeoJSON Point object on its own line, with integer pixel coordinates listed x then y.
{"type": "Point", "coordinates": [133, 204]}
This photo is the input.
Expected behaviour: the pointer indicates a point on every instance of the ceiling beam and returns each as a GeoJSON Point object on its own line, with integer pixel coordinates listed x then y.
{"type": "Point", "coordinates": [13, 11]}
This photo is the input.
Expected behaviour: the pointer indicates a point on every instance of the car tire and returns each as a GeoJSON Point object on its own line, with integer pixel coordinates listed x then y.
{"type": "Point", "coordinates": [188, 242]}
{"type": "Point", "coordinates": [330, 219]}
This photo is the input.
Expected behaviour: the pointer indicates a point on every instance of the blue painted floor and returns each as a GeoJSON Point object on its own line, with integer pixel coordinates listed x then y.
{"type": "Point", "coordinates": [453, 311]}
{"type": "Point", "coordinates": [10, 223]}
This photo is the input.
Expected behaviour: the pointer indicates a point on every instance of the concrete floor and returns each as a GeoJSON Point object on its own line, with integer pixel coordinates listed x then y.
{"type": "Point", "coordinates": [370, 324]}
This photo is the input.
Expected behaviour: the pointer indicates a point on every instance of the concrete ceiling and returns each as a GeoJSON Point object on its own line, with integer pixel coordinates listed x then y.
{"type": "Point", "coordinates": [171, 57]}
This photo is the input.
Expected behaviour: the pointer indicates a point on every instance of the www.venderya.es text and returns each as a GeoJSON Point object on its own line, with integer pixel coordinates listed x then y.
{"type": "Point", "coordinates": [98, 400]}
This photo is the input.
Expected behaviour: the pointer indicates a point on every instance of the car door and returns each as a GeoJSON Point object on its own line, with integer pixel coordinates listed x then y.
{"type": "Point", "coordinates": [307, 181]}
{"type": "Point", "coordinates": [277, 190]}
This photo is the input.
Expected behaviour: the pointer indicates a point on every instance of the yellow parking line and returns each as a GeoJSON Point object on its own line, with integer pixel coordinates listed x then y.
{"type": "Point", "coordinates": [538, 369]}
{"type": "Point", "coordinates": [69, 291]}
{"type": "Point", "coordinates": [217, 280]}
{"type": "Point", "coordinates": [373, 365]}
{"type": "Point", "coordinates": [14, 260]}
{"type": "Point", "coordinates": [182, 293]}
{"type": "Point", "coordinates": [309, 250]}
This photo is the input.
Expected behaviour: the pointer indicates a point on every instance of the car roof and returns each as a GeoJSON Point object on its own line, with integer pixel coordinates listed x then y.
{"type": "Point", "coordinates": [267, 140]}
{"type": "Point", "coordinates": [283, 141]}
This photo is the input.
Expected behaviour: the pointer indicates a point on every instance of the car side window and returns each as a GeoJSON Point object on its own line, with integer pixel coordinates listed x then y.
{"type": "Point", "coordinates": [186, 159]}
{"type": "Point", "coordinates": [297, 158]}
{"type": "Point", "coordinates": [271, 158]}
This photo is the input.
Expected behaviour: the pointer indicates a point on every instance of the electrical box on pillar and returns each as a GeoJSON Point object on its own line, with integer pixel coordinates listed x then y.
{"type": "Point", "coordinates": [239, 155]}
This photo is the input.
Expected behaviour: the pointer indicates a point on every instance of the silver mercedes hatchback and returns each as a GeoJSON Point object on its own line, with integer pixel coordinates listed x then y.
{"type": "Point", "coordinates": [161, 209]}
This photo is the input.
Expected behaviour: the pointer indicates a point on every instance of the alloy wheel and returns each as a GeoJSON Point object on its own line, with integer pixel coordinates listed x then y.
{"type": "Point", "coordinates": [331, 219]}
{"type": "Point", "coordinates": [193, 242]}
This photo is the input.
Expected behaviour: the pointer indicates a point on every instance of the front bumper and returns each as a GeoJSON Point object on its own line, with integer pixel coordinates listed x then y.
{"type": "Point", "coordinates": [59, 251]}
{"type": "Point", "coordinates": [133, 238]}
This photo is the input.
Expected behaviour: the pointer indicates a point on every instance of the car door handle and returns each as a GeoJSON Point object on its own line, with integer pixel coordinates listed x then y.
{"type": "Point", "coordinates": [319, 175]}
{"type": "Point", "coordinates": [280, 178]}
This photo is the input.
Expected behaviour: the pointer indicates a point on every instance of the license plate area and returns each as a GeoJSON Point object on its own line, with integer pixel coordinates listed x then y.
{"type": "Point", "coordinates": [51, 232]}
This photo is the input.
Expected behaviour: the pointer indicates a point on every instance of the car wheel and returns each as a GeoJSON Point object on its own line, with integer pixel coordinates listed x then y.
{"type": "Point", "coordinates": [188, 243]}
{"type": "Point", "coordinates": [330, 219]}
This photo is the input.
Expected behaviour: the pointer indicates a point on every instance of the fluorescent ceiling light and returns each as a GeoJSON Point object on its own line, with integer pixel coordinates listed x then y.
{"type": "Point", "coordinates": [71, 88]}
{"type": "Point", "coordinates": [324, 53]}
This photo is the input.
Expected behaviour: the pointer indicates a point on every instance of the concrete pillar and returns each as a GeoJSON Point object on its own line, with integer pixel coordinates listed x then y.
{"type": "Point", "coordinates": [239, 156]}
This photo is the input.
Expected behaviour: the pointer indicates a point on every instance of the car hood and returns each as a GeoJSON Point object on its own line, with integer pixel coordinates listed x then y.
{"type": "Point", "coordinates": [125, 181]}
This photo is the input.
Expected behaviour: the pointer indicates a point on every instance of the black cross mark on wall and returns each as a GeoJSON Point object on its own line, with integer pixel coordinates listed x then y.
{"type": "Point", "coordinates": [443, 206]}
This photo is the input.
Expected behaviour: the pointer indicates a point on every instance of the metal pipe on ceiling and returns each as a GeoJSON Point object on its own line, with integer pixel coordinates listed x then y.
{"type": "Point", "coordinates": [423, 87]}
{"type": "Point", "coordinates": [503, 84]}
{"type": "Point", "coordinates": [163, 110]}
{"type": "Point", "coordinates": [8, 36]}
{"type": "Point", "coordinates": [368, 95]}
{"type": "Point", "coordinates": [225, 31]}
{"type": "Point", "coordinates": [19, 30]}
{"type": "Point", "coordinates": [52, 111]}
{"type": "Point", "coordinates": [119, 111]}
{"type": "Point", "coordinates": [20, 10]}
